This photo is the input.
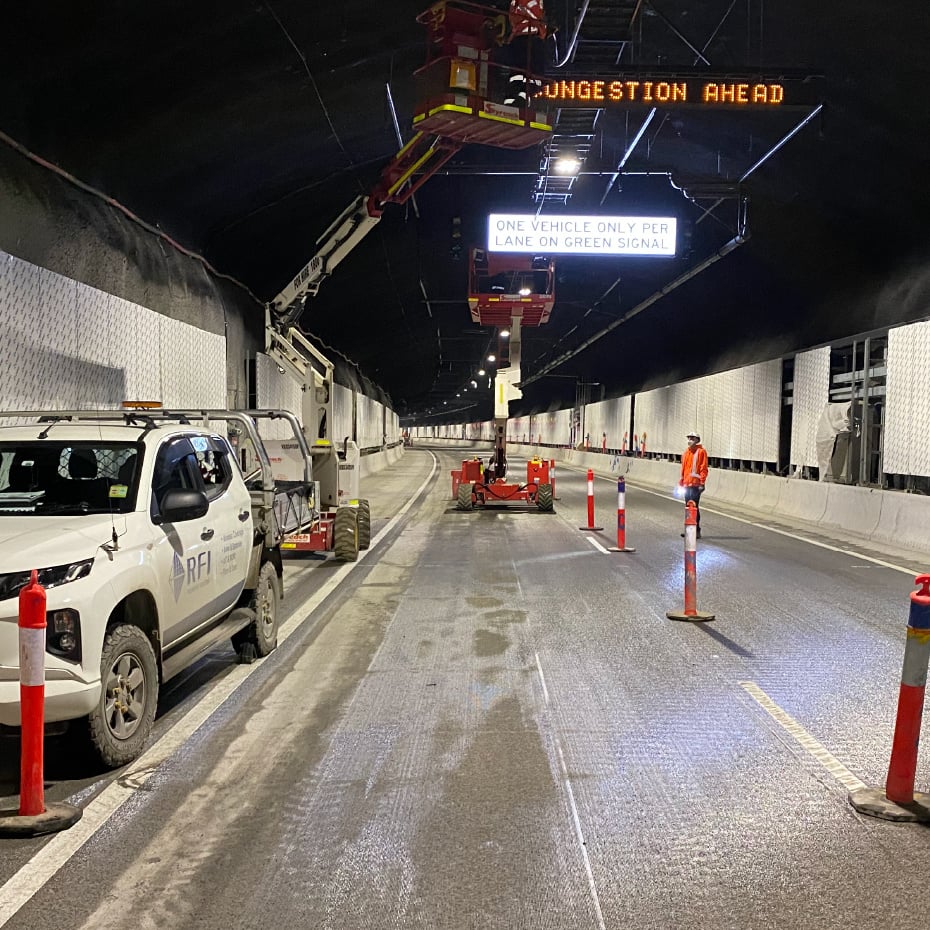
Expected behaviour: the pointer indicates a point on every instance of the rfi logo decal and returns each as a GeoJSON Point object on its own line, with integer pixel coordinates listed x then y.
{"type": "Point", "coordinates": [177, 575]}
{"type": "Point", "coordinates": [196, 569]}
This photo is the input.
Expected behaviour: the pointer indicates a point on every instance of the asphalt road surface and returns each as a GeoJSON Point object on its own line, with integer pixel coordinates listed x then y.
{"type": "Point", "coordinates": [489, 721]}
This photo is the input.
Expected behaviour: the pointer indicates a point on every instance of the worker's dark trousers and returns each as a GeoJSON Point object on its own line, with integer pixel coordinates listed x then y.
{"type": "Point", "coordinates": [693, 493]}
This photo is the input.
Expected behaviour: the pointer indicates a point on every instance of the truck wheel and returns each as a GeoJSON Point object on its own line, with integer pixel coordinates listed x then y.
{"type": "Point", "coordinates": [122, 722]}
{"type": "Point", "coordinates": [544, 498]}
{"type": "Point", "coordinates": [463, 501]}
{"type": "Point", "coordinates": [264, 602]}
{"type": "Point", "coordinates": [364, 524]}
{"type": "Point", "coordinates": [345, 534]}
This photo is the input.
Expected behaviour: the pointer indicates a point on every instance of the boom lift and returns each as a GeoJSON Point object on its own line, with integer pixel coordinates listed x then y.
{"type": "Point", "coordinates": [460, 84]}
{"type": "Point", "coordinates": [515, 291]}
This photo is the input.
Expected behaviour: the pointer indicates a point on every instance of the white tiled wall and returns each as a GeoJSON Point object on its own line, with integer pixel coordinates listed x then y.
{"type": "Point", "coordinates": [907, 418]}
{"type": "Point", "coordinates": [67, 345]}
{"type": "Point", "coordinates": [811, 393]}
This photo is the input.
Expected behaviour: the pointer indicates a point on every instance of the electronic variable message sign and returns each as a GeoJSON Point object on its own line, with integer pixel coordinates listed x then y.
{"type": "Point", "coordinates": [733, 92]}
{"type": "Point", "coordinates": [546, 234]}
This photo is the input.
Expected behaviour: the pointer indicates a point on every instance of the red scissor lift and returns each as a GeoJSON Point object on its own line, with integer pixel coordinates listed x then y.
{"type": "Point", "coordinates": [510, 291]}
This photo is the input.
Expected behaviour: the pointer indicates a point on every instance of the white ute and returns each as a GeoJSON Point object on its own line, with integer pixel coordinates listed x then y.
{"type": "Point", "coordinates": [151, 548]}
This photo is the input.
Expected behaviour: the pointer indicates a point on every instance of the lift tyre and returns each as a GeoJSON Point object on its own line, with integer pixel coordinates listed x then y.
{"type": "Point", "coordinates": [364, 524]}
{"type": "Point", "coordinates": [464, 501]}
{"type": "Point", "coordinates": [544, 498]}
{"type": "Point", "coordinates": [345, 534]}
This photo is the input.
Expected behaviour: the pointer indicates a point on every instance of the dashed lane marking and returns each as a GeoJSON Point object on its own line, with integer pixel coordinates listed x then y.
{"type": "Point", "coordinates": [803, 738]}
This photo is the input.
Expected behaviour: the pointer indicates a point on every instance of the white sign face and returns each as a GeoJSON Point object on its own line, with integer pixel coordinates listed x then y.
{"type": "Point", "coordinates": [581, 235]}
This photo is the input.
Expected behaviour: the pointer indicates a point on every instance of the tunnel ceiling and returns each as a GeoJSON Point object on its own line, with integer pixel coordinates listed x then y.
{"type": "Point", "coordinates": [241, 130]}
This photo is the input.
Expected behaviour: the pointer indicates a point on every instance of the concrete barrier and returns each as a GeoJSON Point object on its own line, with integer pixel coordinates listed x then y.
{"type": "Point", "coordinates": [904, 521]}
{"type": "Point", "coordinates": [852, 509]}
{"type": "Point", "coordinates": [802, 500]}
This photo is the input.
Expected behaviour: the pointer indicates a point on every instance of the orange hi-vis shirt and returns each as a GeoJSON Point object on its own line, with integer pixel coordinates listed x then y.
{"type": "Point", "coordinates": [694, 467]}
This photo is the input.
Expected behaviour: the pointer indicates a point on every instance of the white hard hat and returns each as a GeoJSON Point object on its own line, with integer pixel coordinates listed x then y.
{"type": "Point", "coordinates": [693, 435]}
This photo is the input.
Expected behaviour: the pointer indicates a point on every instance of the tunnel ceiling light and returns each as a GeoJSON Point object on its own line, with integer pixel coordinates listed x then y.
{"type": "Point", "coordinates": [567, 166]}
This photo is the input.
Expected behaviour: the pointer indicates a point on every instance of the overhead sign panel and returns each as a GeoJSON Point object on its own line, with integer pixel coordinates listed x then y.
{"type": "Point", "coordinates": [582, 235]}
{"type": "Point", "coordinates": [732, 92]}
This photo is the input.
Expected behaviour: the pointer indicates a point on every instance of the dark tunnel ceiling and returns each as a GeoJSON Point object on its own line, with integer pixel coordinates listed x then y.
{"type": "Point", "coordinates": [243, 129]}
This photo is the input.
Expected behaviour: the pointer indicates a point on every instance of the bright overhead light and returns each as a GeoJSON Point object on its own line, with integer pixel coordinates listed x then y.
{"type": "Point", "coordinates": [568, 166]}
{"type": "Point", "coordinates": [481, 371]}
{"type": "Point", "coordinates": [492, 358]}
{"type": "Point", "coordinates": [506, 332]}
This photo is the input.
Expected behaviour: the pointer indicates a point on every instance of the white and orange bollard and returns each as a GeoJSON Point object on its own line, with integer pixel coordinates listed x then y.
{"type": "Point", "coordinates": [552, 477]}
{"type": "Point", "coordinates": [621, 519]}
{"type": "Point", "coordinates": [899, 801]}
{"type": "Point", "coordinates": [690, 612]}
{"type": "Point", "coordinates": [590, 525]}
{"type": "Point", "coordinates": [34, 817]}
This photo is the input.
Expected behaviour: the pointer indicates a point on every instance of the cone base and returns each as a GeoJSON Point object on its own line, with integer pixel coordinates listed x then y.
{"type": "Point", "coordinates": [697, 615]}
{"type": "Point", "coordinates": [615, 549]}
{"type": "Point", "coordinates": [872, 801]}
{"type": "Point", "coordinates": [56, 817]}
{"type": "Point", "coordinates": [593, 529]}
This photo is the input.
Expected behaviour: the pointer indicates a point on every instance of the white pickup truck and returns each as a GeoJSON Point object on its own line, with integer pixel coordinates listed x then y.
{"type": "Point", "coordinates": [151, 548]}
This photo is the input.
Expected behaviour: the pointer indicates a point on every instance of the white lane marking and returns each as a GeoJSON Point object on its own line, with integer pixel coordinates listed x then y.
{"type": "Point", "coordinates": [594, 542]}
{"type": "Point", "coordinates": [772, 529]}
{"type": "Point", "coordinates": [576, 820]}
{"type": "Point", "coordinates": [542, 679]}
{"type": "Point", "coordinates": [44, 864]}
{"type": "Point", "coordinates": [803, 738]}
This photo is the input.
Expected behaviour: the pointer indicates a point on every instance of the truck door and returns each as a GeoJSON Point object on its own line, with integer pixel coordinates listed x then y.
{"type": "Point", "coordinates": [230, 518]}
{"type": "Point", "coordinates": [185, 551]}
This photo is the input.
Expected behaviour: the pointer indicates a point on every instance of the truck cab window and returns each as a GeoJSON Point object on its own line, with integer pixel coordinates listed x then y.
{"type": "Point", "coordinates": [176, 468]}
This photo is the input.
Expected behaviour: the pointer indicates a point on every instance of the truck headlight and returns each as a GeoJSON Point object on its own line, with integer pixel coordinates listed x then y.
{"type": "Point", "coordinates": [12, 583]}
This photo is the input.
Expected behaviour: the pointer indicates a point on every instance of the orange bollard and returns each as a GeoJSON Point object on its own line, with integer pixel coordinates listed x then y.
{"type": "Point", "coordinates": [32, 696]}
{"type": "Point", "coordinates": [621, 518]}
{"type": "Point", "coordinates": [899, 801]}
{"type": "Point", "coordinates": [34, 818]}
{"type": "Point", "coordinates": [590, 525]}
{"type": "Point", "coordinates": [690, 612]}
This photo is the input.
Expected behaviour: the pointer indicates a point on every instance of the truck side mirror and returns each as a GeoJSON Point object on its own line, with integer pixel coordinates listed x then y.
{"type": "Point", "coordinates": [179, 505]}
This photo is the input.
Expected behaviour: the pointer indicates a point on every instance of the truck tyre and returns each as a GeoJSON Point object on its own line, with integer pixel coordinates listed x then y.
{"type": "Point", "coordinates": [544, 498]}
{"type": "Point", "coordinates": [345, 534]}
{"type": "Point", "coordinates": [364, 524]}
{"type": "Point", "coordinates": [263, 633]}
{"type": "Point", "coordinates": [122, 722]}
{"type": "Point", "coordinates": [463, 501]}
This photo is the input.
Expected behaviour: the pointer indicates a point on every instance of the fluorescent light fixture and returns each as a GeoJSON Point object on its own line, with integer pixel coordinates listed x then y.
{"type": "Point", "coordinates": [551, 234]}
{"type": "Point", "coordinates": [567, 166]}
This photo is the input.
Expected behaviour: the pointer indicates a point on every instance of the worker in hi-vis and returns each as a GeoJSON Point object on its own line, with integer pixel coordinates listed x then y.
{"type": "Point", "coordinates": [694, 474]}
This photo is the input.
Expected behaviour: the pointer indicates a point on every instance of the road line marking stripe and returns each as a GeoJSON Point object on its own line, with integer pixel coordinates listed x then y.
{"type": "Point", "coordinates": [803, 738]}
{"type": "Point", "coordinates": [576, 819]}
